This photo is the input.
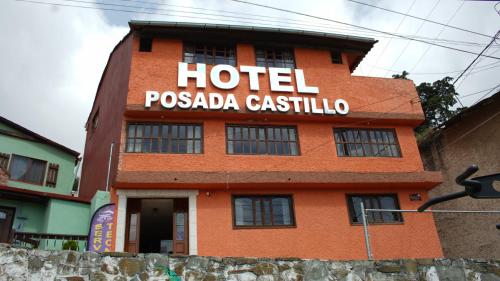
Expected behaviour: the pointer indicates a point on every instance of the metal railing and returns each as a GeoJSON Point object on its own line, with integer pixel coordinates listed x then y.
{"type": "Point", "coordinates": [364, 214]}
{"type": "Point", "coordinates": [47, 241]}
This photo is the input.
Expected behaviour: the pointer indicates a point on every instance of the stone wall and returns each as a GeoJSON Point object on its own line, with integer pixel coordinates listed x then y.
{"type": "Point", "coordinates": [21, 264]}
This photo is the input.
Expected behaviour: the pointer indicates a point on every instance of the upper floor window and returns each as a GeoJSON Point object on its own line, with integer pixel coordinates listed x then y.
{"type": "Point", "coordinates": [263, 211]}
{"type": "Point", "coordinates": [272, 140]}
{"type": "Point", "coordinates": [209, 54]}
{"type": "Point", "coordinates": [273, 57]}
{"type": "Point", "coordinates": [381, 201]}
{"type": "Point", "coordinates": [336, 57]}
{"type": "Point", "coordinates": [164, 138]}
{"type": "Point", "coordinates": [366, 143]}
{"type": "Point", "coordinates": [27, 169]}
{"type": "Point", "coordinates": [145, 44]}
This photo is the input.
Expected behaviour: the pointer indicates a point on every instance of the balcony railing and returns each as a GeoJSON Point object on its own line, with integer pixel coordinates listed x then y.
{"type": "Point", "coordinates": [47, 241]}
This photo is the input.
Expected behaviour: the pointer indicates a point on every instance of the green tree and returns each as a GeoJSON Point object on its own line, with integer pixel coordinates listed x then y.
{"type": "Point", "coordinates": [437, 99]}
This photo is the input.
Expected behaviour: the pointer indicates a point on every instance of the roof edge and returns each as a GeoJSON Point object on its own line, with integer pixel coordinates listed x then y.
{"type": "Point", "coordinates": [138, 23]}
{"type": "Point", "coordinates": [39, 137]}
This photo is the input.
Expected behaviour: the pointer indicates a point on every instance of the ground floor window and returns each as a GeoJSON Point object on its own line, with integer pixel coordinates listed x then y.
{"type": "Point", "coordinates": [263, 211]}
{"type": "Point", "coordinates": [381, 201]}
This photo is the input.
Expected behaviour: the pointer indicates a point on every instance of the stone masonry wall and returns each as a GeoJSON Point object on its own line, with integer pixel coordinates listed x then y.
{"type": "Point", "coordinates": [21, 264]}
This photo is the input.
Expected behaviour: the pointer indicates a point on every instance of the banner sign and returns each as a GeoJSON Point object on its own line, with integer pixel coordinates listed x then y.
{"type": "Point", "coordinates": [280, 80]}
{"type": "Point", "coordinates": [101, 229]}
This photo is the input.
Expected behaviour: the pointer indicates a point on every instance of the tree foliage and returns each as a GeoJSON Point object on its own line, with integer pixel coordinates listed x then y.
{"type": "Point", "coordinates": [437, 99]}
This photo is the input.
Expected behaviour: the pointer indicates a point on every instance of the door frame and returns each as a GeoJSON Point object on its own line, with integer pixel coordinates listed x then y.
{"type": "Point", "coordinates": [124, 194]}
{"type": "Point", "coordinates": [9, 236]}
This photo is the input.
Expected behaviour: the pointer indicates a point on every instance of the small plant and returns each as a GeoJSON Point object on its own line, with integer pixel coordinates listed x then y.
{"type": "Point", "coordinates": [70, 245]}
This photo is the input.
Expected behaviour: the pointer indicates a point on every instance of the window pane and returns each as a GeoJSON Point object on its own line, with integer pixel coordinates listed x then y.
{"type": "Point", "coordinates": [130, 145]}
{"type": "Point", "coordinates": [197, 146]}
{"type": "Point", "coordinates": [258, 212]}
{"type": "Point", "coordinates": [138, 145]}
{"type": "Point", "coordinates": [281, 211]}
{"type": "Point", "coordinates": [147, 131]}
{"type": "Point", "coordinates": [197, 132]}
{"type": "Point", "coordinates": [267, 212]}
{"type": "Point", "coordinates": [243, 211]}
{"type": "Point", "coordinates": [356, 207]}
{"type": "Point", "coordinates": [374, 202]}
{"type": "Point", "coordinates": [131, 131]}
{"type": "Point", "coordinates": [366, 143]}
{"type": "Point", "coordinates": [27, 169]}
{"type": "Point", "coordinates": [183, 146]}
{"type": "Point", "coordinates": [271, 140]}
{"type": "Point", "coordinates": [179, 226]}
{"type": "Point", "coordinates": [154, 145]}
{"type": "Point", "coordinates": [132, 235]}
{"type": "Point", "coordinates": [209, 54]}
{"type": "Point", "coordinates": [293, 149]}
{"type": "Point", "coordinates": [164, 138]}
{"type": "Point", "coordinates": [138, 132]}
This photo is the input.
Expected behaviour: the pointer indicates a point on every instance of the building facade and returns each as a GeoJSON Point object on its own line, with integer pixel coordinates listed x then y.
{"type": "Point", "coordinates": [238, 141]}
{"type": "Point", "coordinates": [36, 186]}
{"type": "Point", "coordinates": [471, 137]}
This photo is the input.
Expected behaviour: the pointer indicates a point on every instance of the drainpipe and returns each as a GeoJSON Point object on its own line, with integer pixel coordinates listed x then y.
{"type": "Point", "coordinates": [109, 165]}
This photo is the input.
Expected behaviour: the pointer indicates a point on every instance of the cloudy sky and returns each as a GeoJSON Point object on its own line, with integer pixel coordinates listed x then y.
{"type": "Point", "coordinates": [53, 52]}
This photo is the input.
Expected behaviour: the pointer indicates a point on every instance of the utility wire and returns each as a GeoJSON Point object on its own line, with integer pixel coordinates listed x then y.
{"type": "Point", "coordinates": [225, 19]}
{"type": "Point", "coordinates": [476, 58]}
{"type": "Point", "coordinates": [437, 36]}
{"type": "Point", "coordinates": [483, 67]}
{"type": "Point", "coordinates": [362, 27]}
{"type": "Point", "coordinates": [471, 72]}
{"type": "Point", "coordinates": [423, 19]}
{"type": "Point", "coordinates": [389, 42]}
{"type": "Point", "coordinates": [418, 30]}
{"type": "Point", "coordinates": [485, 95]}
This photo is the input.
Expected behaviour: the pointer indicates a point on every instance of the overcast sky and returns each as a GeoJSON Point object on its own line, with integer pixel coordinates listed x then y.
{"type": "Point", "coordinates": [52, 56]}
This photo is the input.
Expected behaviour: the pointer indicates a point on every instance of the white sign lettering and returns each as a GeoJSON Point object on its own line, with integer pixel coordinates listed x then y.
{"type": "Point", "coordinates": [280, 80]}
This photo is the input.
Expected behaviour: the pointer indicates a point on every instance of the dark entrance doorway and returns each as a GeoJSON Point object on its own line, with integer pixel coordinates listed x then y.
{"type": "Point", "coordinates": [6, 220]}
{"type": "Point", "coordinates": [157, 226]}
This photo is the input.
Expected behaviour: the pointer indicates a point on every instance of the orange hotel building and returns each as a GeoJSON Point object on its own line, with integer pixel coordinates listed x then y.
{"type": "Point", "coordinates": [246, 141]}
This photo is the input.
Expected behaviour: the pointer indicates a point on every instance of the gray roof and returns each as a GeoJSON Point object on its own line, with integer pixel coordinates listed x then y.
{"type": "Point", "coordinates": [134, 23]}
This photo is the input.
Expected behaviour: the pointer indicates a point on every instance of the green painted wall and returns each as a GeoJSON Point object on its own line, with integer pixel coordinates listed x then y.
{"type": "Point", "coordinates": [30, 216]}
{"type": "Point", "coordinates": [67, 217]}
{"type": "Point", "coordinates": [42, 151]}
{"type": "Point", "coordinates": [100, 198]}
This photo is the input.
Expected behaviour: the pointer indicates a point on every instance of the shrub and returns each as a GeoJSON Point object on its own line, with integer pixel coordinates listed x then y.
{"type": "Point", "coordinates": [70, 245]}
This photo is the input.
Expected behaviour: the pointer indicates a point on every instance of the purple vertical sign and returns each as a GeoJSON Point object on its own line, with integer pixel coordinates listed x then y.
{"type": "Point", "coordinates": [101, 229]}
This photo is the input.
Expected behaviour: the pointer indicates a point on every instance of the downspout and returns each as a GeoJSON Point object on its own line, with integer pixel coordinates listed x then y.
{"type": "Point", "coordinates": [109, 165]}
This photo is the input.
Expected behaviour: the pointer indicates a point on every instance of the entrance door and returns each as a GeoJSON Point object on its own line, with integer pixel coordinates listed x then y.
{"type": "Point", "coordinates": [181, 230]}
{"type": "Point", "coordinates": [6, 220]}
{"type": "Point", "coordinates": [133, 226]}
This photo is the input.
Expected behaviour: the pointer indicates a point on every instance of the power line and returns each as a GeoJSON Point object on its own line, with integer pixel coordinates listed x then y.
{"type": "Point", "coordinates": [483, 67]}
{"type": "Point", "coordinates": [418, 30]}
{"type": "Point", "coordinates": [362, 27]}
{"type": "Point", "coordinates": [396, 30]}
{"type": "Point", "coordinates": [485, 95]}
{"type": "Point", "coordinates": [437, 36]}
{"type": "Point", "coordinates": [476, 58]}
{"type": "Point", "coordinates": [225, 18]}
{"type": "Point", "coordinates": [471, 72]}
{"type": "Point", "coordinates": [423, 19]}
